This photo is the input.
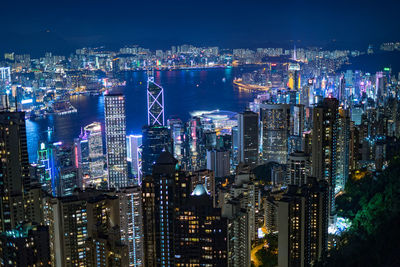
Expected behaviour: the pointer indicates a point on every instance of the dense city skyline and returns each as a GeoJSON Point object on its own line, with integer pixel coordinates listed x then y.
{"type": "Point", "coordinates": [213, 133]}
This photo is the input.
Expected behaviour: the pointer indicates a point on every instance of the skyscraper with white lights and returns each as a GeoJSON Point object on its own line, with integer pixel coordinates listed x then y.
{"type": "Point", "coordinates": [115, 121]}
{"type": "Point", "coordinates": [96, 157]}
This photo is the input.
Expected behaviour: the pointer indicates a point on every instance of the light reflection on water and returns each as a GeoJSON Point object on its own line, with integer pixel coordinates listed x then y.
{"type": "Point", "coordinates": [184, 91]}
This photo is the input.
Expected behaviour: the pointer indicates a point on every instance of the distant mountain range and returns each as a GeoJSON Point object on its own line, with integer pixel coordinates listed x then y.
{"type": "Point", "coordinates": [375, 62]}
{"type": "Point", "coordinates": [38, 43]}
{"type": "Point", "coordinates": [35, 44]}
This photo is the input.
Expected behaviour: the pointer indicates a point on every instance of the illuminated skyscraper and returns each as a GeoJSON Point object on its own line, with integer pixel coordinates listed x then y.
{"type": "Point", "coordinates": [156, 139]}
{"type": "Point", "coordinates": [294, 82]}
{"type": "Point", "coordinates": [353, 146]}
{"type": "Point", "coordinates": [201, 232]}
{"type": "Point", "coordinates": [5, 74]}
{"type": "Point", "coordinates": [96, 157]}
{"type": "Point", "coordinates": [324, 146]}
{"type": "Point", "coordinates": [89, 158]}
{"type": "Point", "coordinates": [306, 95]}
{"type": "Point", "coordinates": [115, 122]}
{"type": "Point", "coordinates": [238, 233]}
{"type": "Point", "coordinates": [235, 146]}
{"type": "Point", "coordinates": [66, 179]}
{"type": "Point", "coordinates": [34, 204]}
{"type": "Point", "coordinates": [163, 195]}
{"type": "Point", "coordinates": [85, 230]}
{"type": "Point", "coordinates": [303, 224]}
{"type": "Point", "coordinates": [130, 204]}
{"type": "Point", "coordinates": [298, 169]}
{"type": "Point", "coordinates": [27, 245]}
{"type": "Point", "coordinates": [343, 150]}
{"type": "Point", "coordinates": [5, 86]}
{"type": "Point", "coordinates": [219, 162]}
{"type": "Point", "coordinates": [134, 149]}
{"type": "Point", "coordinates": [195, 147]}
{"type": "Point", "coordinates": [248, 137]}
{"type": "Point", "coordinates": [46, 163]}
{"type": "Point", "coordinates": [14, 169]}
{"type": "Point", "coordinates": [275, 119]}
{"type": "Point", "coordinates": [348, 76]}
{"type": "Point", "coordinates": [239, 205]}
{"type": "Point", "coordinates": [81, 160]}
{"type": "Point", "coordinates": [380, 85]}
{"type": "Point", "coordinates": [342, 89]}
{"type": "Point", "coordinates": [21, 244]}
{"type": "Point", "coordinates": [177, 132]}
{"type": "Point", "coordinates": [295, 140]}
{"type": "Point", "coordinates": [155, 102]}
{"type": "Point", "coordinates": [245, 191]}
{"type": "Point", "coordinates": [57, 168]}
{"type": "Point", "coordinates": [149, 226]}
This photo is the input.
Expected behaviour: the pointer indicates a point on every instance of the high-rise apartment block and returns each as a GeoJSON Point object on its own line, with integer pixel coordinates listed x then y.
{"type": "Point", "coordinates": [200, 232]}
{"type": "Point", "coordinates": [303, 224]}
{"type": "Point", "coordinates": [130, 204]}
{"type": "Point", "coordinates": [14, 169]}
{"type": "Point", "coordinates": [324, 146]}
{"type": "Point", "coordinates": [298, 168]}
{"type": "Point", "coordinates": [85, 230]}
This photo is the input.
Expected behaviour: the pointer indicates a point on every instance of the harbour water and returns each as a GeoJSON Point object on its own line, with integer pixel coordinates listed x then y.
{"type": "Point", "coordinates": [184, 91]}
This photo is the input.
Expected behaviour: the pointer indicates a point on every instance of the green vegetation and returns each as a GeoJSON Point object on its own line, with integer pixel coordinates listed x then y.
{"type": "Point", "coordinates": [268, 256]}
{"type": "Point", "coordinates": [373, 204]}
{"type": "Point", "coordinates": [358, 192]}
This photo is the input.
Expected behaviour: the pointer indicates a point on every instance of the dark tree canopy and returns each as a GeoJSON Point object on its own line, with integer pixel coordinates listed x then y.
{"type": "Point", "coordinates": [373, 204]}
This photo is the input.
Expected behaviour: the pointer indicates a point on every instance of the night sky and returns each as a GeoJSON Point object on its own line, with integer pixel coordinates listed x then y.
{"type": "Point", "coordinates": [161, 23]}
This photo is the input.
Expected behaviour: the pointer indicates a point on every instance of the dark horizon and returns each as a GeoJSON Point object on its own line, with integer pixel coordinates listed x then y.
{"type": "Point", "coordinates": [160, 24]}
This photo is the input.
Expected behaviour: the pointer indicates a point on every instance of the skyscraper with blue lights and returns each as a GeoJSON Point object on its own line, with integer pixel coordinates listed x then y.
{"type": "Point", "coordinates": [156, 139]}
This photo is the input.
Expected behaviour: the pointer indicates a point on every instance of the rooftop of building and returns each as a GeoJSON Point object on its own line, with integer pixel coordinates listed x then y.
{"type": "Point", "coordinates": [166, 158]}
{"type": "Point", "coordinates": [200, 190]}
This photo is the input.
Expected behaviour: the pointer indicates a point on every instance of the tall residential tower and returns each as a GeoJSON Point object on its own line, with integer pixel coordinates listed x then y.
{"type": "Point", "coordinates": [324, 146]}
{"type": "Point", "coordinates": [14, 169]}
